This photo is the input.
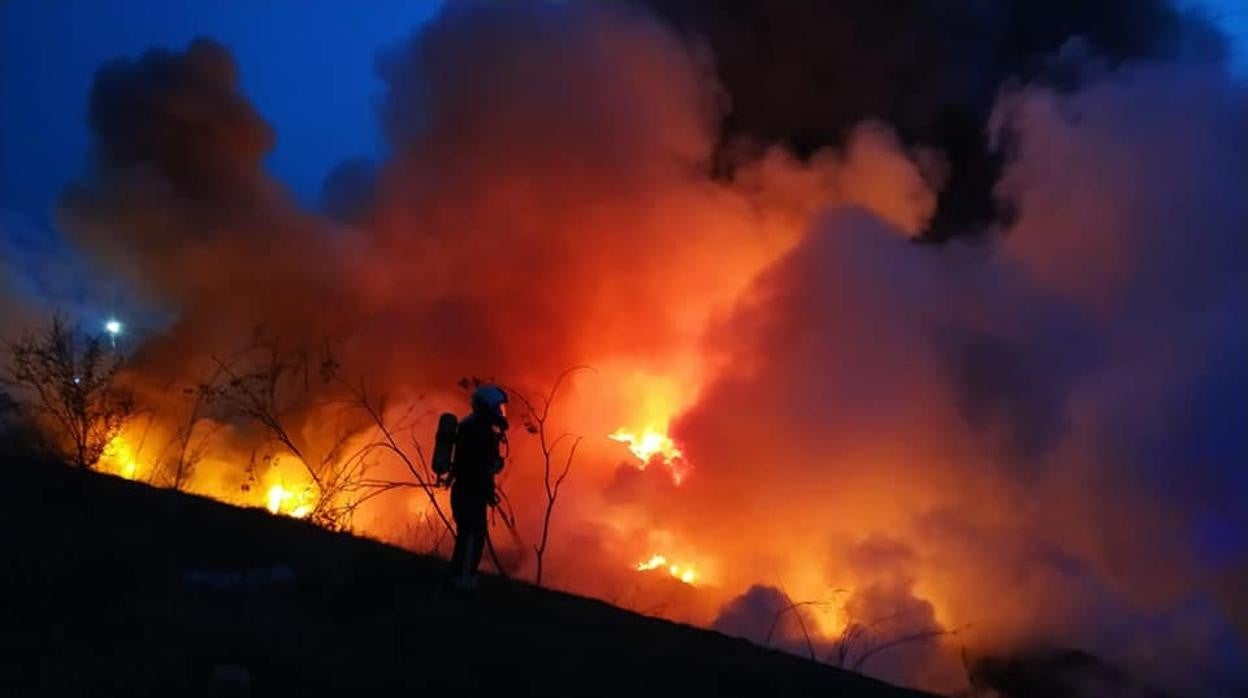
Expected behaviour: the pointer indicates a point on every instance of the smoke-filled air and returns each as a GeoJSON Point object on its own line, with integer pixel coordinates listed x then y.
{"type": "Point", "coordinates": [915, 350]}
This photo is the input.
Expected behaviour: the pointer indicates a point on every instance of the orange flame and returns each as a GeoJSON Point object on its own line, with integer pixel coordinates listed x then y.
{"type": "Point", "coordinates": [684, 573]}
{"type": "Point", "coordinates": [650, 445]}
{"type": "Point", "coordinates": [119, 458]}
{"type": "Point", "coordinates": [280, 500]}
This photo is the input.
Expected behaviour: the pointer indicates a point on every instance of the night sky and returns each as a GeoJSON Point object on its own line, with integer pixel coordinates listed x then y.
{"type": "Point", "coordinates": [310, 70]}
{"type": "Point", "coordinates": [308, 67]}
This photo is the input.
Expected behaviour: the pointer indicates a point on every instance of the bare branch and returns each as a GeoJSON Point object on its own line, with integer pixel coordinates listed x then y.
{"type": "Point", "coordinates": [68, 382]}
{"type": "Point", "coordinates": [536, 420]}
{"type": "Point", "coordinates": [796, 614]}
{"type": "Point", "coordinates": [903, 640]}
{"type": "Point", "coordinates": [425, 483]}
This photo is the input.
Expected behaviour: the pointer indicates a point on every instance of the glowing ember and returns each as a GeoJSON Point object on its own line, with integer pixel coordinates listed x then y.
{"type": "Point", "coordinates": [685, 573]}
{"type": "Point", "coordinates": [280, 500]}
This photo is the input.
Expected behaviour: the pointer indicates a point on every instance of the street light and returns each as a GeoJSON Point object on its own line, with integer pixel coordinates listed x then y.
{"type": "Point", "coordinates": [113, 327]}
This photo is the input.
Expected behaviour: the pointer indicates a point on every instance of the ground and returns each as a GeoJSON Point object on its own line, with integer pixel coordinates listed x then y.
{"type": "Point", "coordinates": [113, 588]}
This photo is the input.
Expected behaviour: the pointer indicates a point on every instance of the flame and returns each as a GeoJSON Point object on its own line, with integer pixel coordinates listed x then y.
{"type": "Point", "coordinates": [276, 494]}
{"type": "Point", "coordinates": [651, 444]}
{"type": "Point", "coordinates": [119, 458]}
{"type": "Point", "coordinates": [280, 500]}
{"type": "Point", "coordinates": [684, 573]}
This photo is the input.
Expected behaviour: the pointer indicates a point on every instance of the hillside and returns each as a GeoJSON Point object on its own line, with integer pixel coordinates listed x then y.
{"type": "Point", "coordinates": [114, 588]}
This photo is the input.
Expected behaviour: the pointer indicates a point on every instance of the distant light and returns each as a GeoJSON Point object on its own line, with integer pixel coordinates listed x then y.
{"type": "Point", "coordinates": [113, 327]}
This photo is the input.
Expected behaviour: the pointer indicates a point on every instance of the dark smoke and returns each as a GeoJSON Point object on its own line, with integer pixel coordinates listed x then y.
{"type": "Point", "coordinates": [349, 192]}
{"type": "Point", "coordinates": [176, 195]}
{"type": "Point", "coordinates": [803, 72]}
{"type": "Point", "coordinates": [181, 118]}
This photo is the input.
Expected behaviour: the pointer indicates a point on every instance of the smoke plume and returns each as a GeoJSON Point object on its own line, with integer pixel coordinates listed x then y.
{"type": "Point", "coordinates": [1028, 438]}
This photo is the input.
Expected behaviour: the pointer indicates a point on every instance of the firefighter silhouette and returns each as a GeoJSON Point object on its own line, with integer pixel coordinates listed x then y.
{"type": "Point", "coordinates": [469, 454]}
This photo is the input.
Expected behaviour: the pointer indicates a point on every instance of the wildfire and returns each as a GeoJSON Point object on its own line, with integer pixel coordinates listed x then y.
{"type": "Point", "coordinates": [119, 458]}
{"type": "Point", "coordinates": [648, 445]}
{"type": "Point", "coordinates": [684, 573]}
{"type": "Point", "coordinates": [651, 445]}
{"type": "Point", "coordinates": [280, 500]}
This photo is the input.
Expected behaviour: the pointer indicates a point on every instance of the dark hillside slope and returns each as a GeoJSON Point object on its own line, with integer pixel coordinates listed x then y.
{"type": "Point", "coordinates": [111, 588]}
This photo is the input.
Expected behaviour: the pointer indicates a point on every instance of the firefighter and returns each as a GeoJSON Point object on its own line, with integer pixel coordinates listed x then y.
{"type": "Point", "coordinates": [477, 458]}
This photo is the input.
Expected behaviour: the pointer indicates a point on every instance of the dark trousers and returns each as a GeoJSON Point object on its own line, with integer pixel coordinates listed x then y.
{"type": "Point", "coordinates": [468, 506]}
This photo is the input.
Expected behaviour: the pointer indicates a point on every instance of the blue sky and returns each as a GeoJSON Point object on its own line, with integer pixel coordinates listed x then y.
{"type": "Point", "coordinates": [308, 66]}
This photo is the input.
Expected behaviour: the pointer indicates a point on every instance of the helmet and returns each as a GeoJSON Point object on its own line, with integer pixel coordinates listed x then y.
{"type": "Point", "coordinates": [491, 401]}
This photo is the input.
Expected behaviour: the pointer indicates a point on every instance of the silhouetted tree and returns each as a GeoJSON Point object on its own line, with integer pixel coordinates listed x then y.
{"type": "Point", "coordinates": [858, 640]}
{"type": "Point", "coordinates": [270, 384]}
{"type": "Point", "coordinates": [64, 381]}
{"type": "Point", "coordinates": [536, 418]}
{"type": "Point", "coordinates": [190, 441]}
{"type": "Point", "coordinates": [187, 445]}
{"type": "Point", "coordinates": [415, 462]}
